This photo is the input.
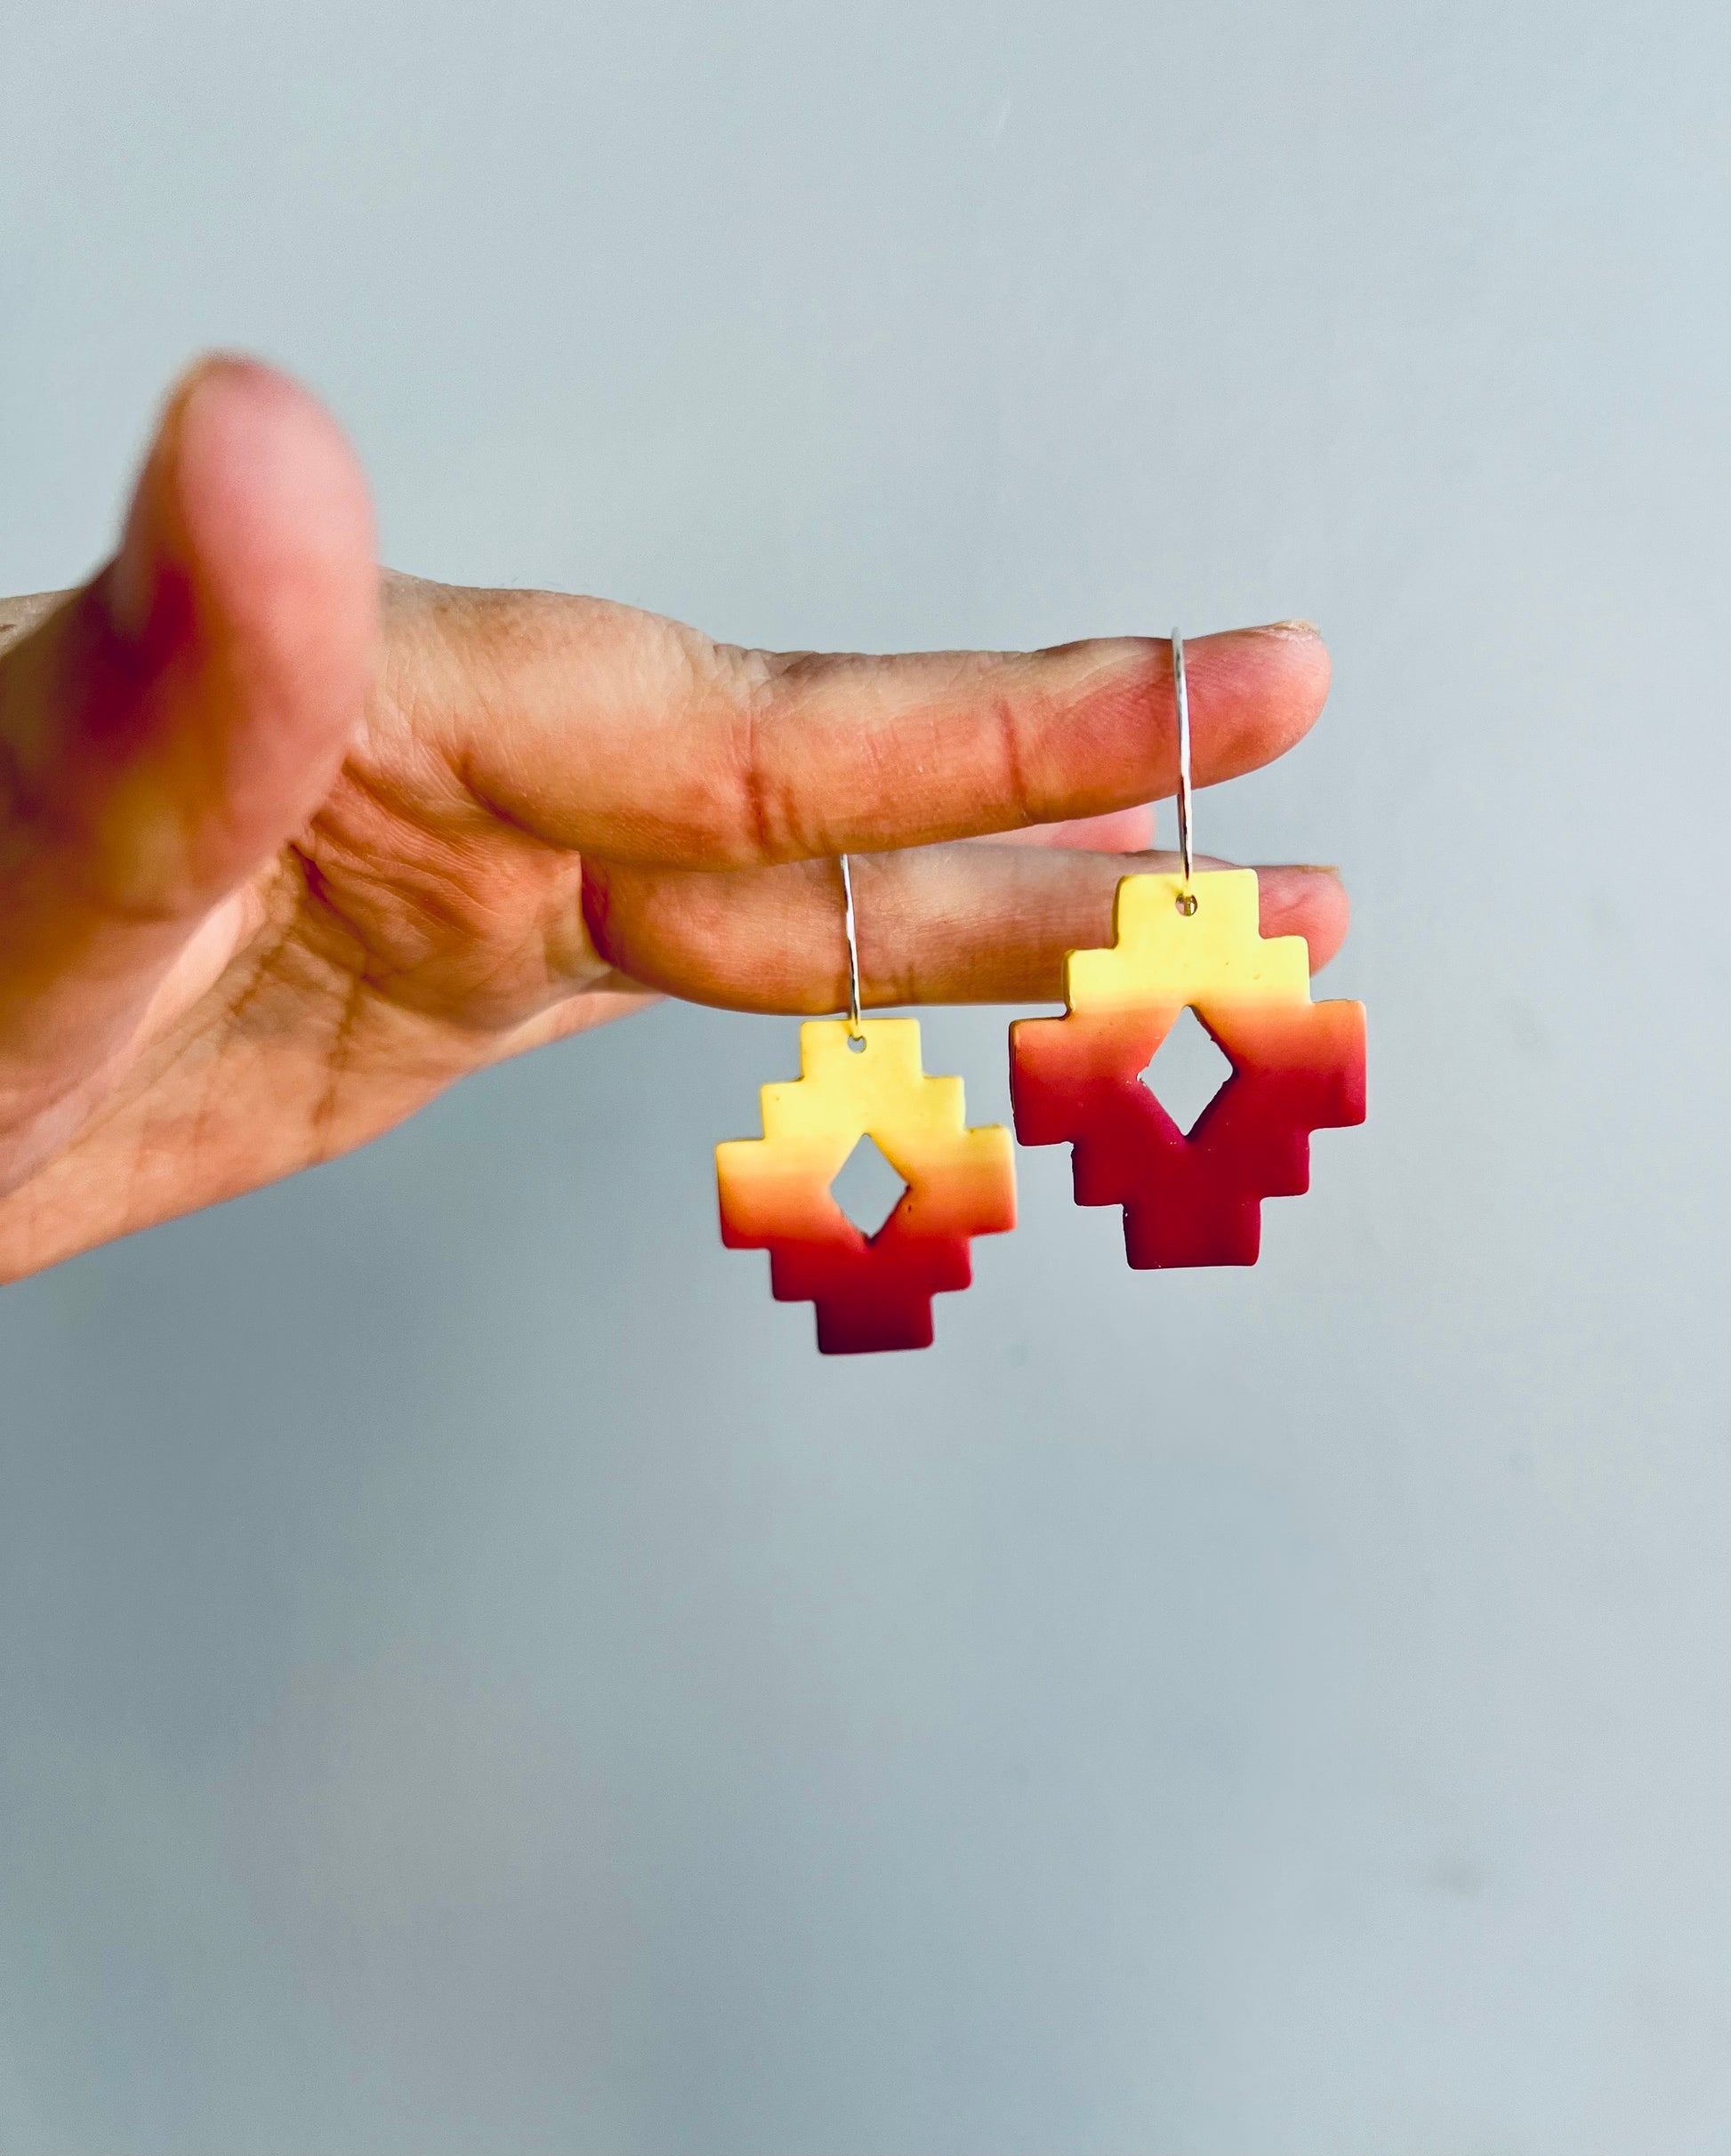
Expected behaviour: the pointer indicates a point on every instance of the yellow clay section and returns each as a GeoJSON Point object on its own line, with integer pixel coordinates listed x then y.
{"type": "Point", "coordinates": [811, 1124]}
{"type": "Point", "coordinates": [1159, 958]}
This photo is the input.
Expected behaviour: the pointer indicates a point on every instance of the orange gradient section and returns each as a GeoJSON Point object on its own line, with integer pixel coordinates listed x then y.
{"type": "Point", "coordinates": [871, 1292]}
{"type": "Point", "coordinates": [1297, 1067]}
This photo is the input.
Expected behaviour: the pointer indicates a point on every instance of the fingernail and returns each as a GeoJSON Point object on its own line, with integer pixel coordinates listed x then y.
{"type": "Point", "coordinates": [1296, 626]}
{"type": "Point", "coordinates": [1315, 868]}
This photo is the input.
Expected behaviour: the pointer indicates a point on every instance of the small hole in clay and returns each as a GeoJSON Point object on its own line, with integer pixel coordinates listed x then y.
{"type": "Point", "coordinates": [867, 1188]}
{"type": "Point", "coordinates": [1186, 1070]}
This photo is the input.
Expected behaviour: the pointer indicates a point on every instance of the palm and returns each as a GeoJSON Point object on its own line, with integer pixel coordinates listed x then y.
{"type": "Point", "coordinates": [346, 859]}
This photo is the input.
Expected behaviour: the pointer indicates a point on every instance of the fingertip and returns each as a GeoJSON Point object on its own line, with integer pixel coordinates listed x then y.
{"type": "Point", "coordinates": [1302, 658]}
{"type": "Point", "coordinates": [1253, 694]}
{"type": "Point", "coordinates": [185, 711]}
{"type": "Point", "coordinates": [244, 605]}
{"type": "Point", "coordinates": [259, 486]}
{"type": "Point", "coordinates": [1299, 900]}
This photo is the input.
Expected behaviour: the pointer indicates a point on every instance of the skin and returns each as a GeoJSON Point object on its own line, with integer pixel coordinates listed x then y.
{"type": "Point", "coordinates": [287, 845]}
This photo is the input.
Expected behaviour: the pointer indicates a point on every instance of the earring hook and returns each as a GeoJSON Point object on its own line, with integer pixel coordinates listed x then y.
{"type": "Point", "coordinates": [856, 1031]}
{"type": "Point", "coordinates": [1181, 696]}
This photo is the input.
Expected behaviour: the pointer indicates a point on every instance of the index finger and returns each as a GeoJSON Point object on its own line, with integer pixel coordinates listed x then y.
{"type": "Point", "coordinates": [624, 735]}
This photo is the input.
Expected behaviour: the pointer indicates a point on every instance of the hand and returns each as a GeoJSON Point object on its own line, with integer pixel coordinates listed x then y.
{"type": "Point", "coordinates": [285, 848]}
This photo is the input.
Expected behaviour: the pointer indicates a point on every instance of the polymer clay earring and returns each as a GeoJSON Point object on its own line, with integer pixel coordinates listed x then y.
{"type": "Point", "coordinates": [1189, 942]}
{"type": "Point", "coordinates": [859, 1079]}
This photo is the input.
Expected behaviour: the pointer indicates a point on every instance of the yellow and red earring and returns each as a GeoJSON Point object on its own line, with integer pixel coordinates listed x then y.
{"type": "Point", "coordinates": [862, 1079]}
{"type": "Point", "coordinates": [1189, 942]}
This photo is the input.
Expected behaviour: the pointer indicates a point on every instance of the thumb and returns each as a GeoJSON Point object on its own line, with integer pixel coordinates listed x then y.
{"type": "Point", "coordinates": [168, 727]}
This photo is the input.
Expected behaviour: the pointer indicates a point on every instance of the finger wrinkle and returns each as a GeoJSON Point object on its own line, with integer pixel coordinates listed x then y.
{"type": "Point", "coordinates": [753, 788]}
{"type": "Point", "coordinates": [1010, 729]}
{"type": "Point", "coordinates": [746, 681]}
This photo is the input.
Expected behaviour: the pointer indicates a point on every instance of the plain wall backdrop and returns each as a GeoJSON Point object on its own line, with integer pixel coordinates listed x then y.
{"type": "Point", "coordinates": [472, 1682]}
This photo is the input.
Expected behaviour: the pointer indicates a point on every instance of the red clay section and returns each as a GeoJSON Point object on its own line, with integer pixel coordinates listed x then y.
{"type": "Point", "coordinates": [1297, 1067]}
{"type": "Point", "coordinates": [871, 1295]}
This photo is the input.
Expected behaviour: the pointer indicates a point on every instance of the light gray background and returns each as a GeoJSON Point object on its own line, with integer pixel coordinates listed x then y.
{"type": "Point", "coordinates": [471, 1679]}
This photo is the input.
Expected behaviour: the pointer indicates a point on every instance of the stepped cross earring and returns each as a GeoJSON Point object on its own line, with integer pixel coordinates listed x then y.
{"type": "Point", "coordinates": [1178, 942]}
{"type": "Point", "coordinates": [860, 1079]}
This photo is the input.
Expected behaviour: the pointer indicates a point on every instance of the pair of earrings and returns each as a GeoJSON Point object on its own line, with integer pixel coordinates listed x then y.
{"type": "Point", "coordinates": [1178, 942]}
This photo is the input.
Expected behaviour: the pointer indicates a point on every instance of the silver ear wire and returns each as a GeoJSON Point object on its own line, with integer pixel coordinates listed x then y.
{"type": "Point", "coordinates": [1187, 903]}
{"type": "Point", "coordinates": [856, 1031]}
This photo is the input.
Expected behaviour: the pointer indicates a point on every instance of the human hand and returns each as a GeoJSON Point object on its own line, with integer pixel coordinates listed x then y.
{"type": "Point", "coordinates": [285, 848]}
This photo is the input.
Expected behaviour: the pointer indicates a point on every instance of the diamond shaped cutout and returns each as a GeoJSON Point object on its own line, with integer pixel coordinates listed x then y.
{"type": "Point", "coordinates": [867, 1188]}
{"type": "Point", "coordinates": [1186, 1070]}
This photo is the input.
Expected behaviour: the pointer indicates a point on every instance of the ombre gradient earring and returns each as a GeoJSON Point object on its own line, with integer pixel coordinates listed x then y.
{"type": "Point", "coordinates": [861, 1080]}
{"type": "Point", "coordinates": [1189, 942]}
